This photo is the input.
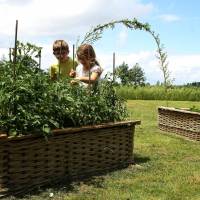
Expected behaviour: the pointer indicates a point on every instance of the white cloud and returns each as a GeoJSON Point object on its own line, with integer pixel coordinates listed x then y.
{"type": "Point", "coordinates": [122, 37]}
{"type": "Point", "coordinates": [144, 58]}
{"type": "Point", "coordinates": [16, 2]}
{"type": "Point", "coordinates": [184, 68]}
{"type": "Point", "coordinates": [42, 21]}
{"type": "Point", "coordinates": [169, 17]}
{"type": "Point", "coordinates": [4, 53]}
{"type": "Point", "coordinates": [50, 18]}
{"type": "Point", "coordinates": [184, 61]}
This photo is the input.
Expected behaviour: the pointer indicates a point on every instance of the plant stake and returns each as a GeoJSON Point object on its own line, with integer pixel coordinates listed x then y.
{"type": "Point", "coordinates": [15, 51]}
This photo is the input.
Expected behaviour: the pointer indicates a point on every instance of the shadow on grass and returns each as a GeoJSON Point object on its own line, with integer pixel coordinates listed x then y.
{"type": "Point", "coordinates": [66, 185]}
{"type": "Point", "coordinates": [63, 186]}
{"type": "Point", "coordinates": [138, 159]}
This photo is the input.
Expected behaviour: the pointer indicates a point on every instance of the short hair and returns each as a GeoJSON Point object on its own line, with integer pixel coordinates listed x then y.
{"type": "Point", "coordinates": [60, 45]}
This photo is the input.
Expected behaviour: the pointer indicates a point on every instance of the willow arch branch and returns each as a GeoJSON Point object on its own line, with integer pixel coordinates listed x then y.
{"type": "Point", "coordinates": [96, 33]}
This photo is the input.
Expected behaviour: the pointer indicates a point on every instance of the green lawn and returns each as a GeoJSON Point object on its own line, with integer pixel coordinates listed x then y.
{"type": "Point", "coordinates": [167, 167]}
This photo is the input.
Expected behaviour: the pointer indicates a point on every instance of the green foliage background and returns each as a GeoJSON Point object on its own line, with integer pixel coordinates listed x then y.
{"type": "Point", "coordinates": [130, 76]}
{"type": "Point", "coordinates": [32, 103]}
{"type": "Point", "coordinates": [175, 93]}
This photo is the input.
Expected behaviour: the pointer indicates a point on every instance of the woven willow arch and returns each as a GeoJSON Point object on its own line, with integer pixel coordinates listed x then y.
{"type": "Point", "coordinates": [96, 33]}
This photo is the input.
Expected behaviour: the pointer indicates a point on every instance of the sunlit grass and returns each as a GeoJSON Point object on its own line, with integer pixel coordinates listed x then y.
{"type": "Point", "coordinates": [167, 167]}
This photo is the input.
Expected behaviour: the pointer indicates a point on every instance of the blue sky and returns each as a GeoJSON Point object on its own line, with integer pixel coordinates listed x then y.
{"type": "Point", "coordinates": [177, 22]}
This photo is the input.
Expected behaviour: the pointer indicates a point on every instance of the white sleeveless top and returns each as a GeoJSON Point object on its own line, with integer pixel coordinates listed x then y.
{"type": "Point", "coordinates": [85, 73]}
{"type": "Point", "coordinates": [81, 72]}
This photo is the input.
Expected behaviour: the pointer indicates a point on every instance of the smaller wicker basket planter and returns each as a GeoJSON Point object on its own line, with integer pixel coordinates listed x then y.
{"type": "Point", "coordinates": [181, 122]}
{"type": "Point", "coordinates": [30, 161]}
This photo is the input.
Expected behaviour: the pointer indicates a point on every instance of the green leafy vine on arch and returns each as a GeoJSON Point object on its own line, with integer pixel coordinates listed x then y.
{"type": "Point", "coordinates": [96, 33]}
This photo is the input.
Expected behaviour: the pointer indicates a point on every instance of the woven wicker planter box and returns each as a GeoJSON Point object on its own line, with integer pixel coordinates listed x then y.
{"type": "Point", "coordinates": [31, 161]}
{"type": "Point", "coordinates": [181, 122]}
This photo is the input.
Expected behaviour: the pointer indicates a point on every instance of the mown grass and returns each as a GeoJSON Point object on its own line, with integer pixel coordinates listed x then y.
{"type": "Point", "coordinates": [167, 167]}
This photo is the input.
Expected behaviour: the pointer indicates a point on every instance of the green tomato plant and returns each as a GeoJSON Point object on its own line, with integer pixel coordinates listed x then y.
{"type": "Point", "coordinates": [33, 104]}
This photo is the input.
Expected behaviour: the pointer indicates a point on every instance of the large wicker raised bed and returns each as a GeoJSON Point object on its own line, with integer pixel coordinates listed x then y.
{"type": "Point", "coordinates": [30, 161]}
{"type": "Point", "coordinates": [181, 122]}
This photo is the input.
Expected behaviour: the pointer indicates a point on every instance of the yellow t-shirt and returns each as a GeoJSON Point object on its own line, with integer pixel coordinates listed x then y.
{"type": "Point", "coordinates": [65, 69]}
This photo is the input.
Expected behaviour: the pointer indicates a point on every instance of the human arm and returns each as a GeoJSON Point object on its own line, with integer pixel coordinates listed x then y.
{"type": "Point", "coordinates": [84, 76]}
{"type": "Point", "coordinates": [53, 73]}
{"type": "Point", "coordinates": [73, 72]}
{"type": "Point", "coordinates": [92, 79]}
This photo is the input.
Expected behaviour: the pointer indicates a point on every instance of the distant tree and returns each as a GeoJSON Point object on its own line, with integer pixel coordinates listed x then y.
{"type": "Point", "coordinates": [122, 72]}
{"type": "Point", "coordinates": [134, 76]}
{"type": "Point", "coordinates": [147, 84]}
{"type": "Point", "coordinates": [195, 84]}
{"type": "Point", "coordinates": [158, 83]}
{"type": "Point", "coordinates": [96, 33]}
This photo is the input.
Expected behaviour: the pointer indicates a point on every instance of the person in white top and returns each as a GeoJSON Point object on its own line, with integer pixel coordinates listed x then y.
{"type": "Point", "coordinates": [89, 70]}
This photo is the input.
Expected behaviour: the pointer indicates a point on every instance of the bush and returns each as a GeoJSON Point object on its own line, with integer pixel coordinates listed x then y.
{"type": "Point", "coordinates": [32, 103]}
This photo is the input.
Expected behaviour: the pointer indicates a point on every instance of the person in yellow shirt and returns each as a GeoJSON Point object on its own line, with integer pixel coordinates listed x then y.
{"type": "Point", "coordinates": [66, 66]}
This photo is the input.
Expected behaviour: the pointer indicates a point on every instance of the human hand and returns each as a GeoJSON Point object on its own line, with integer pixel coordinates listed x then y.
{"type": "Point", "coordinates": [77, 78]}
{"type": "Point", "coordinates": [72, 73]}
{"type": "Point", "coordinates": [74, 82]}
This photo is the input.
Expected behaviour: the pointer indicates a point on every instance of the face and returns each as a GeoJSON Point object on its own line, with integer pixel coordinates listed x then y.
{"type": "Point", "coordinates": [61, 55]}
{"type": "Point", "coordinates": [84, 61]}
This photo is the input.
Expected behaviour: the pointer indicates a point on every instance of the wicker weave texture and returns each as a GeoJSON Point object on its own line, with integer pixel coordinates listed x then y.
{"type": "Point", "coordinates": [33, 161]}
{"type": "Point", "coordinates": [183, 123]}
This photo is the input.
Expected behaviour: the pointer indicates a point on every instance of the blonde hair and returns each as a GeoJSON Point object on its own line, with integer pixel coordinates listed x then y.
{"type": "Point", "coordinates": [60, 45]}
{"type": "Point", "coordinates": [86, 51]}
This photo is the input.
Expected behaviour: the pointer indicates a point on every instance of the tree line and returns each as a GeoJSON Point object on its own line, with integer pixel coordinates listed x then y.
{"type": "Point", "coordinates": [133, 76]}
